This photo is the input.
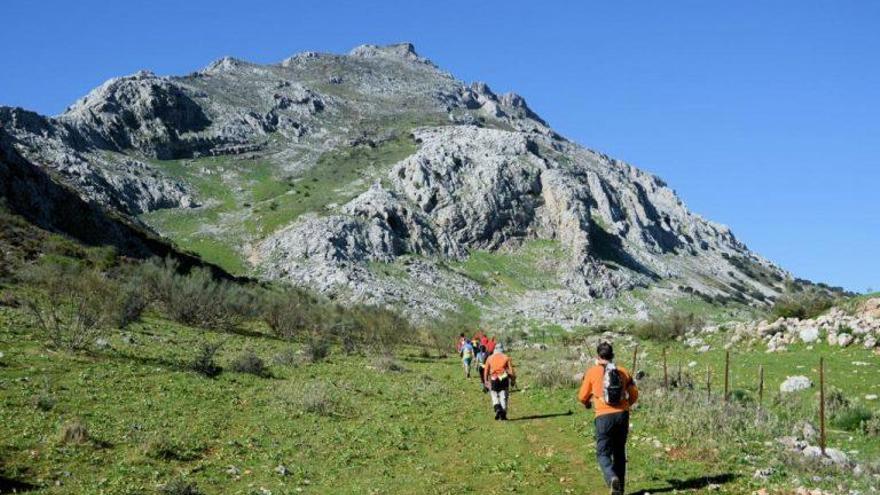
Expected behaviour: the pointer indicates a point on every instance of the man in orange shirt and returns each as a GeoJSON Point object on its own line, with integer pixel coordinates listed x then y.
{"type": "Point", "coordinates": [611, 391]}
{"type": "Point", "coordinates": [498, 374]}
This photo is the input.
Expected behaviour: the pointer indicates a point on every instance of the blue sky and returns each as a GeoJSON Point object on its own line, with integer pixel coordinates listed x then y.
{"type": "Point", "coordinates": [761, 115]}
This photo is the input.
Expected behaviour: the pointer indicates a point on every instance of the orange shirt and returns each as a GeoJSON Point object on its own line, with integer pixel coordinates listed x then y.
{"type": "Point", "coordinates": [592, 389]}
{"type": "Point", "coordinates": [498, 364]}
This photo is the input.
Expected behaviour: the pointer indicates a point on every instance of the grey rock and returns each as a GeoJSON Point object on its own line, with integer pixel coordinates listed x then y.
{"type": "Point", "coordinates": [795, 383]}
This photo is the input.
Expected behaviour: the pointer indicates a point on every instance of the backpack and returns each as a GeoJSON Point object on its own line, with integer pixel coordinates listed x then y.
{"type": "Point", "coordinates": [612, 385]}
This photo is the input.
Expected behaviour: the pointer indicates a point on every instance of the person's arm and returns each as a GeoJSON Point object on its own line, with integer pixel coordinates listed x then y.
{"type": "Point", "coordinates": [585, 394]}
{"type": "Point", "coordinates": [633, 391]}
{"type": "Point", "coordinates": [510, 369]}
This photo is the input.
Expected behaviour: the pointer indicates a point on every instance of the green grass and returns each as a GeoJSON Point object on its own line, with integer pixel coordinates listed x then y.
{"type": "Point", "coordinates": [422, 430]}
{"type": "Point", "coordinates": [338, 177]}
{"type": "Point", "coordinates": [530, 267]}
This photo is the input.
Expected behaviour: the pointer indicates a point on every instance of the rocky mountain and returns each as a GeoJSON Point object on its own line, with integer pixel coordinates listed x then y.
{"type": "Point", "coordinates": [375, 176]}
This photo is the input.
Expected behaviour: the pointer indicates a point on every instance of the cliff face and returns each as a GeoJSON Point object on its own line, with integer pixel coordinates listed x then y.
{"type": "Point", "coordinates": [375, 176]}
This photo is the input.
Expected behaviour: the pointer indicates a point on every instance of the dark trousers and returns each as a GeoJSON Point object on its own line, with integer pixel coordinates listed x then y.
{"type": "Point", "coordinates": [611, 432]}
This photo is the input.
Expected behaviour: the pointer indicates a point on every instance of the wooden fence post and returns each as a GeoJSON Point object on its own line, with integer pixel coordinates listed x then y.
{"type": "Point", "coordinates": [635, 360]}
{"type": "Point", "coordinates": [761, 385]}
{"type": "Point", "coordinates": [708, 383]}
{"type": "Point", "coordinates": [726, 374]}
{"type": "Point", "coordinates": [822, 404]}
{"type": "Point", "coordinates": [665, 372]}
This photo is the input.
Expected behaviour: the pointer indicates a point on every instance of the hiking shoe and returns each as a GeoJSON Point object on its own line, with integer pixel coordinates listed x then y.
{"type": "Point", "coordinates": [616, 486]}
{"type": "Point", "coordinates": [504, 415]}
{"type": "Point", "coordinates": [497, 412]}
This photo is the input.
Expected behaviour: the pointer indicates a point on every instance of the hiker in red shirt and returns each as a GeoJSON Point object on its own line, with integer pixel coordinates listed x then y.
{"type": "Point", "coordinates": [490, 345]}
{"type": "Point", "coordinates": [611, 391]}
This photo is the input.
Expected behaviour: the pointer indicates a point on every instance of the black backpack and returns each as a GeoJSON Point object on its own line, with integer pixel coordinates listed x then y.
{"type": "Point", "coordinates": [612, 385]}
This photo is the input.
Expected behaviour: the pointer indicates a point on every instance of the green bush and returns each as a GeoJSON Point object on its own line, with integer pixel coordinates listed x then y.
{"type": "Point", "coordinates": [204, 363]}
{"type": "Point", "coordinates": [666, 327]}
{"type": "Point", "coordinates": [197, 299]}
{"type": "Point", "coordinates": [180, 486]}
{"type": "Point", "coordinates": [292, 313]}
{"type": "Point", "coordinates": [851, 418]}
{"type": "Point", "coordinates": [802, 305]}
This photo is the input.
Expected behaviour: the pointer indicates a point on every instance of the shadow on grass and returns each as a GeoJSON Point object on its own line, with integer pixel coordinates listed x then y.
{"type": "Point", "coordinates": [9, 485]}
{"type": "Point", "coordinates": [690, 484]}
{"type": "Point", "coordinates": [542, 416]}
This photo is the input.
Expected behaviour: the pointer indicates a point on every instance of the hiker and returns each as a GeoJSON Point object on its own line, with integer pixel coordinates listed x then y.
{"type": "Point", "coordinates": [467, 356]}
{"type": "Point", "coordinates": [490, 345]}
{"type": "Point", "coordinates": [497, 376]}
{"type": "Point", "coordinates": [610, 391]}
{"type": "Point", "coordinates": [461, 340]}
{"type": "Point", "coordinates": [482, 356]}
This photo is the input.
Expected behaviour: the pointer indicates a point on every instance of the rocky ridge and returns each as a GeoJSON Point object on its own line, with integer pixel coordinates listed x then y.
{"type": "Point", "coordinates": [488, 175]}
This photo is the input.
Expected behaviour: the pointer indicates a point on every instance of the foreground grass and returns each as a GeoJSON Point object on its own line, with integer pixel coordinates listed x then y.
{"type": "Point", "coordinates": [351, 424]}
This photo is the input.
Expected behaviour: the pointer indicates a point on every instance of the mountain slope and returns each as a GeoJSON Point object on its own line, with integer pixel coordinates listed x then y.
{"type": "Point", "coordinates": [377, 177]}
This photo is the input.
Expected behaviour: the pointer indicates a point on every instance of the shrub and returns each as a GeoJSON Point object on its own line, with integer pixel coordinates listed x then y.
{"type": "Point", "coordinates": [291, 314]}
{"type": "Point", "coordinates": [287, 357]}
{"type": "Point", "coordinates": [803, 305]}
{"type": "Point", "coordinates": [666, 327]}
{"type": "Point", "coordinates": [197, 299]}
{"type": "Point", "coordinates": [74, 432]}
{"type": "Point", "coordinates": [72, 306]}
{"type": "Point", "coordinates": [851, 418]}
{"type": "Point", "coordinates": [45, 402]}
{"type": "Point", "coordinates": [317, 348]}
{"type": "Point", "coordinates": [386, 364]}
{"type": "Point", "coordinates": [180, 486]}
{"type": "Point", "coordinates": [163, 448]}
{"type": "Point", "coordinates": [871, 426]}
{"type": "Point", "coordinates": [249, 362]}
{"type": "Point", "coordinates": [204, 363]}
{"type": "Point", "coordinates": [554, 375]}
{"type": "Point", "coordinates": [319, 398]}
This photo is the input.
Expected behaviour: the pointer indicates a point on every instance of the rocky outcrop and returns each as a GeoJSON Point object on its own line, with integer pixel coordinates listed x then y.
{"type": "Point", "coordinates": [488, 175]}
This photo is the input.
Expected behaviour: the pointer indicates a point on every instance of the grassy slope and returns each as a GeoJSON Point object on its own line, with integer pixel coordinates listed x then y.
{"type": "Point", "coordinates": [247, 199]}
{"type": "Point", "coordinates": [423, 430]}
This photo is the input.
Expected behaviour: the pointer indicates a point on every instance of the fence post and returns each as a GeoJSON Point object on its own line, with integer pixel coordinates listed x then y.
{"type": "Point", "coordinates": [635, 360]}
{"type": "Point", "coordinates": [665, 372]}
{"type": "Point", "coordinates": [761, 385]}
{"type": "Point", "coordinates": [822, 404]}
{"type": "Point", "coordinates": [726, 373]}
{"type": "Point", "coordinates": [708, 383]}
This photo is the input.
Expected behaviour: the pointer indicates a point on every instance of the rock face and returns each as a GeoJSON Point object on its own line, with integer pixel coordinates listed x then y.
{"type": "Point", "coordinates": [487, 175]}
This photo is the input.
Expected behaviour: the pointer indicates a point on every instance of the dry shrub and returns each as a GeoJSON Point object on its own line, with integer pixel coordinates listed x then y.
{"type": "Point", "coordinates": [74, 432]}
{"type": "Point", "coordinates": [555, 375]}
{"type": "Point", "coordinates": [320, 398]}
{"type": "Point", "coordinates": [248, 362]}
{"type": "Point", "coordinates": [71, 305]}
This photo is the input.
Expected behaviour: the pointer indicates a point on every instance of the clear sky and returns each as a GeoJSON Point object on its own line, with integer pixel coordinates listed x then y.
{"type": "Point", "coordinates": [764, 116]}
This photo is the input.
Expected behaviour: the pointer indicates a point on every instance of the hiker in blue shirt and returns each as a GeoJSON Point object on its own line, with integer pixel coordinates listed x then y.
{"type": "Point", "coordinates": [467, 356]}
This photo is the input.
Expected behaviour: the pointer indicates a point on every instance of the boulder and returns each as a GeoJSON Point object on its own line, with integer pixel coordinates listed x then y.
{"type": "Point", "coordinates": [795, 383]}
{"type": "Point", "coordinates": [809, 334]}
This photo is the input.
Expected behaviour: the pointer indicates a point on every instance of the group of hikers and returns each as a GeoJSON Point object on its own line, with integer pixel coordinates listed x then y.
{"type": "Point", "coordinates": [606, 388]}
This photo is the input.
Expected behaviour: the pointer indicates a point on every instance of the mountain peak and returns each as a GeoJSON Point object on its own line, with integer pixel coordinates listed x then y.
{"type": "Point", "coordinates": [404, 51]}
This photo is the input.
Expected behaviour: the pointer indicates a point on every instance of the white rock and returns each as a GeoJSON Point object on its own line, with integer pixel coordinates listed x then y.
{"type": "Point", "coordinates": [809, 334]}
{"type": "Point", "coordinates": [795, 383]}
{"type": "Point", "coordinates": [844, 339]}
{"type": "Point", "coordinates": [871, 397]}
